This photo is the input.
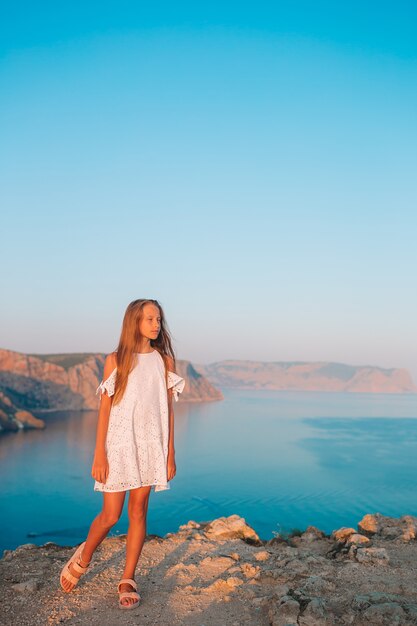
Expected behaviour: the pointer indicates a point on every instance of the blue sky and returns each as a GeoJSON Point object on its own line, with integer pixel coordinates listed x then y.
{"type": "Point", "coordinates": [251, 167]}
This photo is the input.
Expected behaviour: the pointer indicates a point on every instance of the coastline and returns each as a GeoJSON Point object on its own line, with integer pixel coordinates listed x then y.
{"type": "Point", "coordinates": [222, 572]}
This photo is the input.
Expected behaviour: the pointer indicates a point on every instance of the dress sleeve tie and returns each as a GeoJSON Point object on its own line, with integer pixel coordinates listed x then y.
{"type": "Point", "coordinates": [108, 385]}
{"type": "Point", "coordinates": [176, 383]}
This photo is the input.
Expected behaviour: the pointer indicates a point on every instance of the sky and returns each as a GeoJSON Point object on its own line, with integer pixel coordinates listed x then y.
{"type": "Point", "coordinates": [252, 166]}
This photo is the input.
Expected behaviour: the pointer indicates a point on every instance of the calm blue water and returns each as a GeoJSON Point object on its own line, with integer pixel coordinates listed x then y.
{"type": "Point", "coordinates": [281, 460]}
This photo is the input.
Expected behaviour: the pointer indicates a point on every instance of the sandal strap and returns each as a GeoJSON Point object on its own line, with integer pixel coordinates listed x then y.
{"type": "Point", "coordinates": [68, 576]}
{"type": "Point", "coordinates": [79, 568]}
{"type": "Point", "coordinates": [128, 581]}
{"type": "Point", "coordinates": [129, 594]}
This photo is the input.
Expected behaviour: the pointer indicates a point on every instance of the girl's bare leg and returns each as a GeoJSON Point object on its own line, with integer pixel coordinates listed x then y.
{"type": "Point", "coordinates": [105, 520]}
{"type": "Point", "coordinates": [137, 510]}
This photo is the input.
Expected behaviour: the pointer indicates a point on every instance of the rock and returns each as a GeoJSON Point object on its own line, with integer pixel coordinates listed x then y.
{"type": "Point", "coordinates": [13, 418]}
{"type": "Point", "coordinates": [29, 586]}
{"type": "Point", "coordinates": [316, 584]}
{"type": "Point", "coordinates": [234, 581]}
{"type": "Point", "coordinates": [404, 528]}
{"type": "Point", "coordinates": [371, 556]}
{"type": "Point", "coordinates": [284, 612]}
{"type": "Point", "coordinates": [278, 586]}
{"type": "Point", "coordinates": [315, 614]}
{"type": "Point", "coordinates": [370, 524]}
{"type": "Point", "coordinates": [409, 527]}
{"type": "Point", "coordinates": [344, 539]}
{"type": "Point", "coordinates": [289, 552]}
{"type": "Point", "coordinates": [357, 539]}
{"type": "Point", "coordinates": [386, 614]}
{"type": "Point", "coordinates": [189, 525]}
{"type": "Point", "coordinates": [411, 610]}
{"type": "Point", "coordinates": [223, 586]}
{"type": "Point", "coordinates": [342, 533]}
{"type": "Point", "coordinates": [249, 570]}
{"type": "Point", "coordinates": [364, 600]}
{"type": "Point", "coordinates": [25, 547]}
{"type": "Point", "coordinates": [312, 534]}
{"type": "Point", "coordinates": [275, 541]}
{"type": "Point", "coordinates": [7, 555]}
{"type": "Point", "coordinates": [232, 527]}
{"type": "Point", "coordinates": [219, 561]}
{"type": "Point", "coordinates": [281, 590]}
{"type": "Point", "coordinates": [296, 567]}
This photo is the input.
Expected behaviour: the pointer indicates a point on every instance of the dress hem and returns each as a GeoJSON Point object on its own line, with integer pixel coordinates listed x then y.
{"type": "Point", "coordinates": [161, 487]}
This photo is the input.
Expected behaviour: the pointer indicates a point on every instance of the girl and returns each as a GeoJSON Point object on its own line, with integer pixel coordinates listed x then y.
{"type": "Point", "coordinates": [135, 438]}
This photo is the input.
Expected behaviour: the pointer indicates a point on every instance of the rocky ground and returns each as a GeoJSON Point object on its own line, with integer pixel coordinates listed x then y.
{"type": "Point", "coordinates": [220, 573]}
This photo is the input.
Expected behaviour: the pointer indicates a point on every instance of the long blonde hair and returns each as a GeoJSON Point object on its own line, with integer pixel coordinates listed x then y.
{"type": "Point", "coordinates": [129, 341]}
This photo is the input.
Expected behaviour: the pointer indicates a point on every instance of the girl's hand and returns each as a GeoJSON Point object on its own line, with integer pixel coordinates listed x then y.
{"type": "Point", "coordinates": [100, 469]}
{"type": "Point", "coordinates": [171, 467]}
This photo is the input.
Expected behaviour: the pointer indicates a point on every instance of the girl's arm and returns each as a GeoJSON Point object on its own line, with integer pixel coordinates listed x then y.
{"type": "Point", "coordinates": [171, 467]}
{"type": "Point", "coordinates": [171, 449]}
{"type": "Point", "coordinates": [105, 406]}
{"type": "Point", "coordinates": [100, 467]}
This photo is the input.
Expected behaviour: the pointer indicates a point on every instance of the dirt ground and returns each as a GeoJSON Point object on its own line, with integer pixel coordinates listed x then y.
{"type": "Point", "coordinates": [219, 573]}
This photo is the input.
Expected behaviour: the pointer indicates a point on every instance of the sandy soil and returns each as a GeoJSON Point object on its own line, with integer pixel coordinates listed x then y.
{"type": "Point", "coordinates": [220, 573]}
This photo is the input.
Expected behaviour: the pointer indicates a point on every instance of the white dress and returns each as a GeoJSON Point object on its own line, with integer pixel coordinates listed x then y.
{"type": "Point", "coordinates": [138, 430]}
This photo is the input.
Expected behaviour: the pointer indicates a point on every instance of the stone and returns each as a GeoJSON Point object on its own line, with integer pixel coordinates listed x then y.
{"type": "Point", "coordinates": [232, 527]}
{"type": "Point", "coordinates": [403, 528]}
{"type": "Point", "coordinates": [316, 584]}
{"type": "Point", "coordinates": [342, 533]}
{"type": "Point", "coordinates": [386, 614]}
{"type": "Point", "coordinates": [189, 525]}
{"type": "Point", "coordinates": [372, 556]}
{"type": "Point", "coordinates": [312, 534]}
{"type": "Point", "coordinates": [281, 590]}
{"type": "Point", "coordinates": [285, 612]}
{"type": "Point", "coordinates": [28, 586]}
{"type": "Point", "coordinates": [249, 570]}
{"type": "Point", "coordinates": [357, 539]}
{"type": "Point", "coordinates": [296, 566]}
{"type": "Point", "coordinates": [315, 614]}
{"type": "Point", "coordinates": [234, 581]}
{"type": "Point", "coordinates": [362, 601]}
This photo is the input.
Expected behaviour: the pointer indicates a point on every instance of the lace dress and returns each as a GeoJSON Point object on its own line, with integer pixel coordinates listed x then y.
{"type": "Point", "coordinates": [138, 430]}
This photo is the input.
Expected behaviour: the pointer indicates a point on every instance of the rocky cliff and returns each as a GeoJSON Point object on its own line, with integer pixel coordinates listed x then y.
{"type": "Point", "coordinates": [13, 419]}
{"type": "Point", "coordinates": [221, 573]}
{"type": "Point", "coordinates": [307, 376]}
{"type": "Point", "coordinates": [53, 382]}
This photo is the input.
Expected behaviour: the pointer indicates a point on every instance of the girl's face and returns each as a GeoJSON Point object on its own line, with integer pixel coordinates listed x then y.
{"type": "Point", "coordinates": [150, 324]}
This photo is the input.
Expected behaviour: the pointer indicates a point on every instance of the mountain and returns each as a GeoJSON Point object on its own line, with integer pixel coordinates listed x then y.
{"type": "Point", "coordinates": [307, 376]}
{"type": "Point", "coordinates": [51, 382]}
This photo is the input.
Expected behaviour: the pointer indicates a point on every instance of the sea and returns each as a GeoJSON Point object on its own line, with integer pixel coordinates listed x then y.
{"type": "Point", "coordinates": [282, 460]}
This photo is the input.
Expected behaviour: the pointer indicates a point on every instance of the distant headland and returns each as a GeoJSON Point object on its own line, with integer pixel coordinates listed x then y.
{"type": "Point", "coordinates": [307, 376]}
{"type": "Point", "coordinates": [67, 382]}
{"type": "Point", "coordinates": [37, 383]}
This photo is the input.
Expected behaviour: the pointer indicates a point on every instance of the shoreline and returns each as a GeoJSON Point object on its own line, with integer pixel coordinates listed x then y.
{"type": "Point", "coordinates": [221, 572]}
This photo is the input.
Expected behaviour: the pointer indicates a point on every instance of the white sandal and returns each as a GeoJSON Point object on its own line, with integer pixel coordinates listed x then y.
{"type": "Point", "coordinates": [65, 572]}
{"type": "Point", "coordinates": [128, 594]}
